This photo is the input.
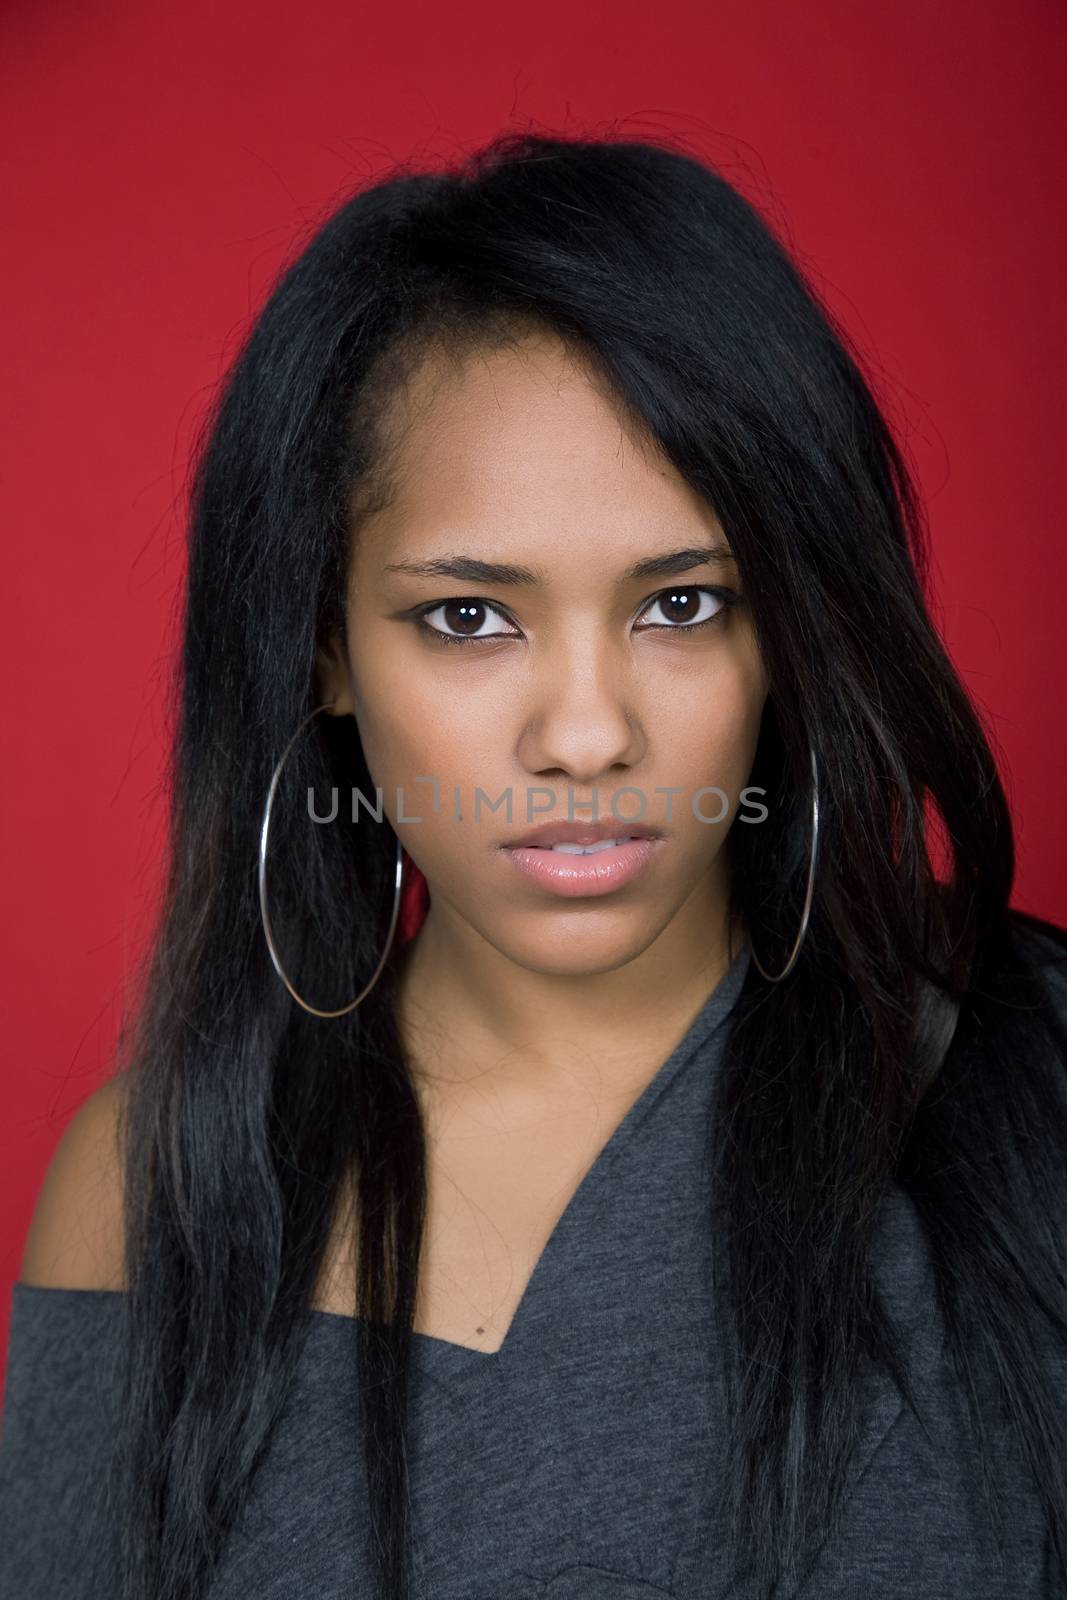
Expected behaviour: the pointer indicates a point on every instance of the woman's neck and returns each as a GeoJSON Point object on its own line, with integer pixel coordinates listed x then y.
{"type": "Point", "coordinates": [465, 1009]}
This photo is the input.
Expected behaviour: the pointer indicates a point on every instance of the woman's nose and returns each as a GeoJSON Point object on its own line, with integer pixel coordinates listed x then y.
{"type": "Point", "coordinates": [582, 719]}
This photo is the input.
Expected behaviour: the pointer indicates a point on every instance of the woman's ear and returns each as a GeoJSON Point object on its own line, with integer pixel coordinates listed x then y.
{"type": "Point", "coordinates": [332, 682]}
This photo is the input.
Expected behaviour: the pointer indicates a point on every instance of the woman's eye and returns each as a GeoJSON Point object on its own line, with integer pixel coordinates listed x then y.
{"type": "Point", "coordinates": [471, 621]}
{"type": "Point", "coordinates": [689, 607]}
{"type": "Point", "coordinates": [463, 621]}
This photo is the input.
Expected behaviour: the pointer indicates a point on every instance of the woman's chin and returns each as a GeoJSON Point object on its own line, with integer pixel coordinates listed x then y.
{"type": "Point", "coordinates": [568, 941]}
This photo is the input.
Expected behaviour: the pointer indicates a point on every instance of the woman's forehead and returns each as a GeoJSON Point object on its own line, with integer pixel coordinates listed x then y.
{"type": "Point", "coordinates": [524, 450]}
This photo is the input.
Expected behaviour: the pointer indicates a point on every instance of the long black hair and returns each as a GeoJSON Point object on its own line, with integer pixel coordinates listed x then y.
{"type": "Point", "coordinates": [896, 1051]}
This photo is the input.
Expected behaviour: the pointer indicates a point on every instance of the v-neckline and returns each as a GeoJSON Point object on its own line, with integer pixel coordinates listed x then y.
{"type": "Point", "coordinates": [433, 1353]}
{"type": "Point", "coordinates": [441, 1358]}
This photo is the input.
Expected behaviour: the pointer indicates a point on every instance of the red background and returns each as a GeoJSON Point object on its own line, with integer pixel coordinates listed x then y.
{"type": "Point", "coordinates": [163, 161]}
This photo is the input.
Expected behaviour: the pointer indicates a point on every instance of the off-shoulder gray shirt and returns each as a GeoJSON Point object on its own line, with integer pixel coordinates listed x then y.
{"type": "Point", "coordinates": [581, 1461]}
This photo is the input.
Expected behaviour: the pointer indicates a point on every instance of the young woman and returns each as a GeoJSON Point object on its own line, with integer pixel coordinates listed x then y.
{"type": "Point", "coordinates": [593, 1126]}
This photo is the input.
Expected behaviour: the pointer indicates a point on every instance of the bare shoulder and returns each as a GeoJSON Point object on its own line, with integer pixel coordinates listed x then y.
{"type": "Point", "coordinates": [75, 1238]}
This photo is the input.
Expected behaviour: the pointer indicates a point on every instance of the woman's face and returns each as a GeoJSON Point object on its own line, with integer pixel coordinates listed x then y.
{"type": "Point", "coordinates": [561, 678]}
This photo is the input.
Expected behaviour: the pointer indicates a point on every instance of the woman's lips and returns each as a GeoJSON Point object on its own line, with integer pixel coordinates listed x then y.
{"type": "Point", "coordinates": [562, 873]}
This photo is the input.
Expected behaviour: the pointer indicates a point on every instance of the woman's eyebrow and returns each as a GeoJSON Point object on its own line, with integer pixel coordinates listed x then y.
{"type": "Point", "coordinates": [471, 569]}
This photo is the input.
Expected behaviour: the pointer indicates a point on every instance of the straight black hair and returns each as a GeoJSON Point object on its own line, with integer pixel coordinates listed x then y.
{"type": "Point", "coordinates": [913, 1043]}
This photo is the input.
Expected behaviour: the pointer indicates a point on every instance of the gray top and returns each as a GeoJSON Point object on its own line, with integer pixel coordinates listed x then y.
{"type": "Point", "coordinates": [578, 1462]}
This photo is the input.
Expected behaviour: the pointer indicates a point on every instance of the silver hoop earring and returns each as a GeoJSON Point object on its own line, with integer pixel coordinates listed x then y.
{"type": "Point", "coordinates": [787, 969]}
{"type": "Point", "coordinates": [263, 836]}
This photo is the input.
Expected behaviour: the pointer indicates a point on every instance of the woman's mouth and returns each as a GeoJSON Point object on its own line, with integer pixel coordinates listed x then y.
{"type": "Point", "coordinates": [573, 870]}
